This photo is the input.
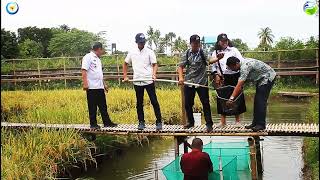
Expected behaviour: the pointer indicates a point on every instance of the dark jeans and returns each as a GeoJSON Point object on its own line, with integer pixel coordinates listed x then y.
{"type": "Point", "coordinates": [189, 95]}
{"type": "Point", "coordinates": [260, 104]}
{"type": "Point", "coordinates": [97, 98]}
{"type": "Point", "coordinates": [151, 90]}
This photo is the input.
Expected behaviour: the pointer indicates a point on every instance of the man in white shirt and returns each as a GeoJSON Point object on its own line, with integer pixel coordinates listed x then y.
{"type": "Point", "coordinates": [144, 64]}
{"type": "Point", "coordinates": [93, 84]}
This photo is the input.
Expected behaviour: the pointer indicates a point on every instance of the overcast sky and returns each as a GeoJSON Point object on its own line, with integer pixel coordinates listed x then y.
{"type": "Point", "coordinates": [122, 19]}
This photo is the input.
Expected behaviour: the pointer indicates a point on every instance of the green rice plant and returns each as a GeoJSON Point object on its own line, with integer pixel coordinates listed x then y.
{"type": "Point", "coordinates": [70, 106]}
{"type": "Point", "coordinates": [41, 153]}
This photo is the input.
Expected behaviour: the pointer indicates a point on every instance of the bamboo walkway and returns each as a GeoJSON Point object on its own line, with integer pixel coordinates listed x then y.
{"type": "Point", "coordinates": [281, 129]}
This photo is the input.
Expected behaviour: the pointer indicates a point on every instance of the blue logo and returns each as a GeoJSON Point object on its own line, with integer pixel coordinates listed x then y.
{"type": "Point", "coordinates": [310, 7]}
{"type": "Point", "coordinates": [12, 8]}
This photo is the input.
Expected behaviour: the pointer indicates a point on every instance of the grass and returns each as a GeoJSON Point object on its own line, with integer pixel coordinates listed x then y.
{"type": "Point", "coordinates": [44, 153]}
{"type": "Point", "coordinates": [41, 154]}
{"type": "Point", "coordinates": [311, 145]}
{"type": "Point", "coordinates": [70, 106]}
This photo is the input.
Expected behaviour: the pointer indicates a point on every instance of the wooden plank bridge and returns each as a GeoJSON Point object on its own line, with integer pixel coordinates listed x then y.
{"type": "Point", "coordinates": [282, 129]}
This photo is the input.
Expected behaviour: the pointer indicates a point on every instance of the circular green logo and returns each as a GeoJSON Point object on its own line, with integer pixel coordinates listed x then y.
{"type": "Point", "coordinates": [310, 7]}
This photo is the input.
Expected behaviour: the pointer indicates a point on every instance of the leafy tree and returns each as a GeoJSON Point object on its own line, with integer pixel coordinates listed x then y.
{"type": "Point", "coordinates": [73, 43]}
{"type": "Point", "coordinates": [242, 46]}
{"type": "Point", "coordinates": [312, 42]}
{"type": "Point", "coordinates": [40, 35]}
{"type": "Point", "coordinates": [30, 49]}
{"type": "Point", "coordinates": [266, 38]}
{"type": "Point", "coordinates": [290, 43]}
{"type": "Point", "coordinates": [180, 45]}
{"type": "Point", "coordinates": [9, 45]}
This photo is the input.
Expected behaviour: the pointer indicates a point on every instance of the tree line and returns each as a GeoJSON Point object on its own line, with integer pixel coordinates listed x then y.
{"type": "Point", "coordinates": [32, 42]}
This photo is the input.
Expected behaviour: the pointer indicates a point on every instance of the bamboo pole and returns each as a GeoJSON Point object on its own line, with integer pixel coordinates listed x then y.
{"type": "Point", "coordinates": [118, 69]}
{"type": "Point", "coordinates": [14, 74]}
{"type": "Point", "coordinates": [253, 161]}
{"type": "Point", "coordinates": [39, 73]}
{"type": "Point", "coordinates": [183, 111]}
{"type": "Point", "coordinates": [279, 59]}
{"type": "Point", "coordinates": [176, 146]}
{"type": "Point", "coordinates": [64, 72]}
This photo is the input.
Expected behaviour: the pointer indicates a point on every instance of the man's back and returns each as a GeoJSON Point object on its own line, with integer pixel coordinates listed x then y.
{"type": "Point", "coordinates": [196, 165]}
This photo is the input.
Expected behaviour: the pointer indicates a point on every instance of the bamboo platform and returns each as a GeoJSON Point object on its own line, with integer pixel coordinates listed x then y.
{"type": "Point", "coordinates": [282, 129]}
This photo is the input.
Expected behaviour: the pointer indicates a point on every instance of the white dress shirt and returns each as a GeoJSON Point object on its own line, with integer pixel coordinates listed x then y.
{"type": "Point", "coordinates": [92, 63]}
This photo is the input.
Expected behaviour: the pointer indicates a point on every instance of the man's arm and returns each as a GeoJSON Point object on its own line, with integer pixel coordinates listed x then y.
{"type": "Point", "coordinates": [125, 71]}
{"type": "Point", "coordinates": [238, 88]}
{"type": "Point", "coordinates": [180, 72]}
{"type": "Point", "coordinates": [85, 79]}
{"type": "Point", "coordinates": [210, 165]}
{"type": "Point", "coordinates": [155, 70]}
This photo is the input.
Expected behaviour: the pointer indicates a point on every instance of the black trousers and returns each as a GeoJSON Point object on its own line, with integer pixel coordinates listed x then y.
{"type": "Point", "coordinates": [189, 95]}
{"type": "Point", "coordinates": [97, 98]}
{"type": "Point", "coordinates": [151, 90]}
{"type": "Point", "coordinates": [260, 103]}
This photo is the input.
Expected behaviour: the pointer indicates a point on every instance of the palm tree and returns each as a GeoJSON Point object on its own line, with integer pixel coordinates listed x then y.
{"type": "Point", "coordinates": [171, 35]}
{"type": "Point", "coordinates": [266, 37]}
{"type": "Point", "coordinates": [156, 38]}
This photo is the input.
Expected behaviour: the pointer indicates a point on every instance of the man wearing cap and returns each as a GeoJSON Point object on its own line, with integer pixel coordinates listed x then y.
{"type": "Point", "coordinates": [195, 60]}
{"type": "Point", "coordinates": [144, 64]}
{"type": "Point", "coordinates": [93, 84]}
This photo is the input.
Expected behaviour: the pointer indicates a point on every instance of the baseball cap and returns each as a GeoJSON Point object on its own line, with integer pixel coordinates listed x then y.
{"type": "Point", "coordinates": [96, 45]}
{"type": "Point", "coordinates": [222, 37]}
{"type": "Point", "coordinates": [140, 38]}
{"type": "Point", "coordinates": [194, 38]}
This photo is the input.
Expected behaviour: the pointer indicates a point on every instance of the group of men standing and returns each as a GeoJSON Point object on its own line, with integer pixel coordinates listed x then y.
{"type": "Point", "coordinates": [195, 61]}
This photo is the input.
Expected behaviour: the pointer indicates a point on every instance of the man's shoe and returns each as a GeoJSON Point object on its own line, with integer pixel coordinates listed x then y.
{"type": "Point", "coordinates": [250, 126]}
{"type": "Point", "coordinates": [209, 128]}
{"type": "Point", "coordinates": [158, 126]}
{"type": "Point", "coordinates": [110, 124]}
{"type": "Point", "coordinates": [141, 126]}
{"type": "Point", "coordinates": [95, 126]}
{"type": "Point", "coordinates": [187, 126]}
{"type": "Point", "coordinates": [258, 128]}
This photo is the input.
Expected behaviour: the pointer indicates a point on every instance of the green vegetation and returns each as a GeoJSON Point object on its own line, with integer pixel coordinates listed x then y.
{"type": "Point", "coordinates": [52, 152]}
{"type": "Point", "coordinates": [41, 154]}
{"type": "Point", "coordinates": [311, 145]}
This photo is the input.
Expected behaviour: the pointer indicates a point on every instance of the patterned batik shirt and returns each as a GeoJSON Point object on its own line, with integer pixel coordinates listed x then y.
{"type": "Point", "coordinates": [256, 71]}
{"type": "Point", "coordinates": [196, 67]}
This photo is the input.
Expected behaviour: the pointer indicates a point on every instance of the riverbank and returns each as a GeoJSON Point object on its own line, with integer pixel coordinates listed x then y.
{"type": "Point", "coordinates": [311, 145]}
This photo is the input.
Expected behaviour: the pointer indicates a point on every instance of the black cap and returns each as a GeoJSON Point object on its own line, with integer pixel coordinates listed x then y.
{"type": "Point", "coordinates": [194, 38]}
{"type": "Point", "coordinates": [222, 37]}
{"type": "Point", "coordinates": [140, 38]}
{"type": "Point", "coordinates": [96, 45]}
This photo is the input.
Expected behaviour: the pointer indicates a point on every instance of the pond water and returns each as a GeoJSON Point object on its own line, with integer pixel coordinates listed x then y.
{"type": "Point", "coordinates": [281, 156]}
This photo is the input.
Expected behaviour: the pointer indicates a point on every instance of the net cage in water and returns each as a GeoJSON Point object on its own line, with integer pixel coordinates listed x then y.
{"type": "Point", "coordinates": [230, 162]}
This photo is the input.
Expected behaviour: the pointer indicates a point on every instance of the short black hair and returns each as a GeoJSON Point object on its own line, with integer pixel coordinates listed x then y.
{"type": "Point", "coordinates": [232, 61]}
{"type": "Point", "coordinates": [197, 143]}
{"type": "Point", "coordinates": [96, 46]}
